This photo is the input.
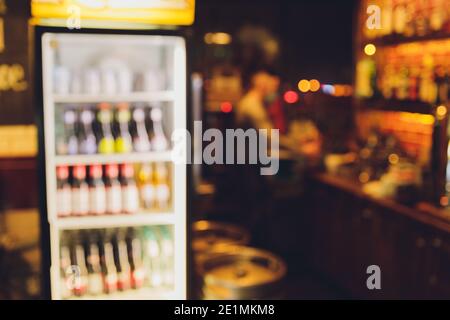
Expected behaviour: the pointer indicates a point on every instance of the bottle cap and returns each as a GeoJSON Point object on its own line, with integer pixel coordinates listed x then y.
{"type": "Point", "coordinates": [104, 105]}
{"type": "Point", "coordinates": [95, 171]}
{"type": "Point", "coordinates": [62, 172]}
{"type": "Point", "coordinates": [127, 170]}
{"type": "Point", "coordinates": [79, 172]}
{"type": "Point", "coordinates": [112, 171]}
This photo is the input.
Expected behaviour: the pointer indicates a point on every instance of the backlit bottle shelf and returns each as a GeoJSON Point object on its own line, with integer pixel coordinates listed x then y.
{"type": "Point", "coordinates": [113, 221]}
{"type": "Point", "coordinates": [142, 294]}
{"type": "Point", "coordinates": [130, 97]}
{"type": "Point", "coordinates": [155, 156]}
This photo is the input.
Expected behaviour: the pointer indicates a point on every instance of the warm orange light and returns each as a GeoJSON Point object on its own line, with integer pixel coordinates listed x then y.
{"type": "Point", "coordinates": [219, 38]}
{"type": "Point", "coordinates": [393, 158]}
{"type": "Point", "coordinates": [314, 85]}
{"type": "Point", "coordinates": [370, 49]}
{"type": "Point", "coordinates": [304, 85]}
{"type": "Point", "coordinates": [441, 112]}
{"type": "Point", "coordinates": [339, 90]}
{"type": "Point", "coordinates": [226, 107]}
{"type": "Point", "coordinates": [291, 96]}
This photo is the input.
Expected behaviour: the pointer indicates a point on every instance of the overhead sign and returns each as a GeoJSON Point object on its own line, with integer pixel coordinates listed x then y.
{"type": "Point", "coordinates": [165, 12]}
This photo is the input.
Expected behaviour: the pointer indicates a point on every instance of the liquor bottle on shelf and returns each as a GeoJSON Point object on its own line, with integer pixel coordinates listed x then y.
{"type": "Point", "coordinates": [80, 192]}
{"type": "Point", "coordinates": [109, 270]}
{"type": "Point", "coordinates": [123, 142]}
{"type": "Point", "coordinates": [152, 261]}
{"type": "Point", "coordinates": [422, 18]}
{"type": "Point", "coordinates": [95, 282]}
{"type": "Point", "coordinates": [410, 14]}
{"type": "Point", "coordinates": [63, 192]}
{"type": "Point", "coordinates": [134, 247]}
{"type": "Point", "coordinates": [80, 288]}
{"type": "Point", "coordinates": [386, 18]}
{"type": "Point", "coordinates": [437, 15]}
{"type": "Point", "coordinates": [122, 264]}
{"type": "Point", "coordinates": [87, 140]}
{"type": "Point", "coordinates": [113, 190]}
{"type": "Point", "coordinates": [65, 263]}
{"type": "Point", "coordinates": [159, 141]}
{"type": "Point", "coordinates": [162, 187]}
{"type": "Point", "coordinates": [105, 118]}
{"type": "Point", "coordinates": [399, 17]}
{"type": "Point", "coordinates": [130, 194]}
{"type": "Point", "coordinates": [167, 256]}
{"type": "Point", "coordinates": [146, 187]}
{"type": "Point", "coordinates": [97, 191]}
{"type": "Point", "coordinates": [141, 142]}
{"type": "Point", "coordinates": [68, 144]}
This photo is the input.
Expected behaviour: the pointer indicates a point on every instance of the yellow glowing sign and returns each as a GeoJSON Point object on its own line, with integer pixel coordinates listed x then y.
{"type": "Point", "coordinates": [158, 12]}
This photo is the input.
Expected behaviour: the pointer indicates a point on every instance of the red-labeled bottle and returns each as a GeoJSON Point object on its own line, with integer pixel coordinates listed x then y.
{"type": "Point", "coordinates": [63, 192]}
{"type": "Point", "coordinates": [113, 190]}
{"type": "Point", "coordinates": [97, 191]}
{"type": "Point", "coordinates": [130, 194]}
{"type": "Point", "coordinates": [80, 192]}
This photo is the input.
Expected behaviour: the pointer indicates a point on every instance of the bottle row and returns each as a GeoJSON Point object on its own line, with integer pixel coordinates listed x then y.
{"type": "Point", "coordinates": [409, 18]}
{"type": "Point", "coordinates": [427, 83]}
{"type": "Point", "coordinates": [103, 129]}
{"type": "Point", "coordinates": [107, 81]}
{"type": "Point", "coordinates": [112, 189]}
{"type": "Point", "coordinates": [100, 262]}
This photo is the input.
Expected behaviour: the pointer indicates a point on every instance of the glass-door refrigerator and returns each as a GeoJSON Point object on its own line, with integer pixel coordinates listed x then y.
{"type": "Point", "coordinates": [114, 207]}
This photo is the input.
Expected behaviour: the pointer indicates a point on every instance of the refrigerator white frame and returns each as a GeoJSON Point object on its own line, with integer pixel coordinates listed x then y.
{"type": "Point", "coordinates": [177, 218]}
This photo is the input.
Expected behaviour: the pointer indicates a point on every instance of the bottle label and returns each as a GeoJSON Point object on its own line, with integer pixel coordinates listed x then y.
{"type": "Point", "coordinates": [163, 194]}
{"type": "Point", "coordinates": [113, 199]}
{"type": "Point", "coordinates": [95, 284]}
{"type": "Point", "coordinates": [138, 277]}
{"type": "Point", "coordinates": [111, 282]}
{"type": "Point", "coordinates": [80, 200]}
{"type": "Point", "coordinates": [148, 195]}
{"type": "Point", "coordinates": [130, 198]}
{"type": "Point", "coordinates": [64, 202]}
{"type": "Point", "coordinates": [97, 197]}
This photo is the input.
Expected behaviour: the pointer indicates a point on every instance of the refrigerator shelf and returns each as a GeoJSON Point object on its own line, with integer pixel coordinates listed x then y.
{"type": "Point", "coordinates": [142, 294]}
{"type": "Point", "coordinates": [130, 97]}
{"type": "Point", "coordinates": [114, 221]}
{"type": "Point", "coordinates": [135, 157]}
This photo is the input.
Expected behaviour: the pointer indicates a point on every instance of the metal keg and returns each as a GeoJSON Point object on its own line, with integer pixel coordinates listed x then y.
{"type": "Point", "coordinates": [208, 235]}
{"type": "Point", "coordinates": [238, 272]}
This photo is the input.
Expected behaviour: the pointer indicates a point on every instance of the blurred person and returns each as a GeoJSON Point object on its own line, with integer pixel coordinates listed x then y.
{"type": "Point", "coordinates": [252, 110]}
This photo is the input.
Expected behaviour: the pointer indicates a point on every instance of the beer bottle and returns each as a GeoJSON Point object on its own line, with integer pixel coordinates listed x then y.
{"type": "Point", "coordinates": [80, 192]}
{"type": "Point", "coordinates": [80, 262]}
{"type": "Point", "coordinates": [122, 264]}
{"type": "Point", "coordinates": [69, 142]}
{"type": "Point", "coordinates": [87, 140]}
{"type": "Point", "coordinates": [146, 187]}
{"type": "Point", "coordinates": [123, 142]}
{"type": "Point", "coordinates": [65, 262]}
{"type": "Point", "coordinates": [63, 192]}
{"type": "Point", "coordinates": [130, 196]}
{"type": "Point", "coordinates": [109, 270]}
{"type": "Point", "coordinates": [159, 141]}
{"type": "Point", "coordinates": [113, 190]}
{"type": "Point", "coordinates": [95, 282]}
{"type": "Point", "coordinates": [97, 191]}
{"type": "Point", "coordinates": [162, 186]}
{"type": "Point", "coordinates": [141, 142]}
{"type": "Point", "coordinates": [105, 118]}
{"type": "Point", "coordinates": [134, 248]}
